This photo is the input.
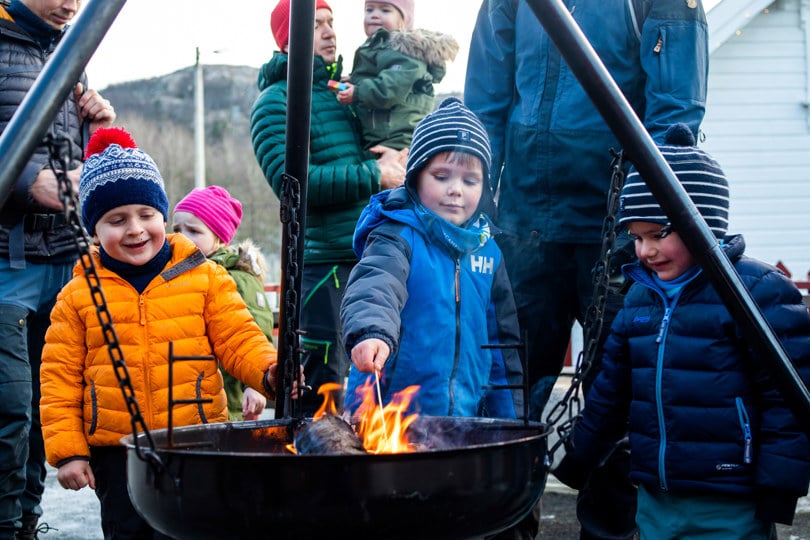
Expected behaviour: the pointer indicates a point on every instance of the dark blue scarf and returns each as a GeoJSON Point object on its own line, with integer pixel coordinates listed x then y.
{"type": "Point", "coordinates": [138, 276]}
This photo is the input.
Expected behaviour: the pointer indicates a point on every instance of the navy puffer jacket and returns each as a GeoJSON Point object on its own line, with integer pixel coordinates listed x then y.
{"type": "Point", "coordinates": [705, 415]}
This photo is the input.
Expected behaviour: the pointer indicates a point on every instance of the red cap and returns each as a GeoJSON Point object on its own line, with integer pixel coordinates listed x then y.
{"type": "Point", "coordinates": [280, 21]}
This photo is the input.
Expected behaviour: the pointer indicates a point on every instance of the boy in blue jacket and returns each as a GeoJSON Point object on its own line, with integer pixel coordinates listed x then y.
{"type": "Point", "coordinates": [431, 288]}
{"type": "Point", "coordinates": [715, 451]}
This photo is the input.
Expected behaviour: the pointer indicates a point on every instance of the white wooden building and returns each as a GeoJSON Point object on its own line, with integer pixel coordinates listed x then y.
{"type": "Point", "coordinates": [757, 123]}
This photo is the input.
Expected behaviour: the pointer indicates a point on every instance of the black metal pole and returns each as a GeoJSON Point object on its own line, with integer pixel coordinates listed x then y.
{"type": "Point", "coordinates": [629, 130]}
{"type": "Point", "coordinates": [57, 79]}
{"type": "Point", "coordinates": [296, 169]}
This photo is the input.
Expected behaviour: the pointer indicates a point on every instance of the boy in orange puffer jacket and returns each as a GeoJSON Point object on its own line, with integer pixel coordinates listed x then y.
{"type": "Point", "coordinates": [160, 290]}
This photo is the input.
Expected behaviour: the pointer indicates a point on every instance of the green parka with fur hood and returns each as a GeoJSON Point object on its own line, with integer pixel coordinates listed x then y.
{"type": "Point", "coordinates": [246, 265]}
{"type": "Point", "coordinates": [393, 76]}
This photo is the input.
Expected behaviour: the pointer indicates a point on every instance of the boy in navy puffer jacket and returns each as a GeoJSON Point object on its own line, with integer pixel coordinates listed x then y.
{"type": "Point", "coordinates": [714, 449]}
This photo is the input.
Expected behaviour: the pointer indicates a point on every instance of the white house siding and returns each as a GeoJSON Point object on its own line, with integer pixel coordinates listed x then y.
{"type": "Point", "coordinates": [757, 127]}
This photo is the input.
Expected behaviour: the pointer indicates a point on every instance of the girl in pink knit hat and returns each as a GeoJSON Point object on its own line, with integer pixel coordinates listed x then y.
{"type": "Point", "coordinates": [209, 217]}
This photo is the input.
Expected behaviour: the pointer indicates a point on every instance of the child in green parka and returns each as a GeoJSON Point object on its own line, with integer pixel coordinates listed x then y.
{"type": "Point", "coordinates": [209, 217]}
{"type": "Point", "coordinates": [391, 84]}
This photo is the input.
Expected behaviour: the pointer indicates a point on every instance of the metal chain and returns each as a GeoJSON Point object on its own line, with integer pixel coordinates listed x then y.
{"type": "Point", "coordinates": [571, 403]}
{"type": "Point", "coordinates": [290, 218]}
{"type": "Point", "coordinates": [59, 150]}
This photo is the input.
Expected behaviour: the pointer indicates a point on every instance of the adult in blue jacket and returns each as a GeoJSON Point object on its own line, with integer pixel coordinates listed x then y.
{"type": "Point", "coordinates": [551, 158]}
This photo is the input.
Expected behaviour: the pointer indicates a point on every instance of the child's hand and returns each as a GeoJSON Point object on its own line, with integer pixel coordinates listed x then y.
{"type": "Point", "coordinates": [253, 403]}
{"type": "Point", "coordinates": [345, 97]}
{"type": "Point", "coordinates": [270, 380]}
{"type": "Point", "coordinates": [370, 355]}
{"type": "Point", "coordinates": [75, 475]}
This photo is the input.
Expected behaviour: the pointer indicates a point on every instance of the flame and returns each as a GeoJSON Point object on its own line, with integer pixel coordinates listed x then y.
{"type": "Point", "coordinates": [383, 430]}
{"type": "Point", "coordinates": [328, 391]}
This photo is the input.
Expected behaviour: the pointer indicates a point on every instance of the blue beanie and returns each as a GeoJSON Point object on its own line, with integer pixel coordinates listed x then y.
{"type": "Point", "coordinates": [452, 127]}
{"type": "Point", "coordinates": [117, 173]}
{"type": "Point", "coordinates": [699, 174]}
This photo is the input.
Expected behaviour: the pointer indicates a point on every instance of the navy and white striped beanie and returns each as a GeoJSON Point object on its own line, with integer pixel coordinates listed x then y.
{"type": "Point", "coordinates": [117, 173]}
{"type": "Point", "coordinates": [699, 174]}
{"type": "Point", "coordinates": [452, 127]}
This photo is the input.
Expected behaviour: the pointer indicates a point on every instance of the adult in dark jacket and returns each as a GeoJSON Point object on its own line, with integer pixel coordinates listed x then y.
{"type": "Point", "coordinates": [37, 251]}
{"type": "Point", "coordinates": [714, 447]}
{"type": "Point", "coordinates": [340, 182]}
{"type": "Point", "coordinates": [551, 169]}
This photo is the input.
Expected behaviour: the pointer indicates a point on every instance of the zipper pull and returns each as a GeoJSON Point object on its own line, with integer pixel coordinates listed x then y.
{"type": "Point", "coordinates": [747, 453]}
{"type": "Point", "coordinates": [457, 281]}
{"type": "Point", "coordinates": [664, 323]}
{"type": "Point", "coordinates": [659, 45]}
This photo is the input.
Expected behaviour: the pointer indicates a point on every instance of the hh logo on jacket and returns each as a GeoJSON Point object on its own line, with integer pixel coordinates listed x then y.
{"type": "Point", "coordinates": [482, 265]}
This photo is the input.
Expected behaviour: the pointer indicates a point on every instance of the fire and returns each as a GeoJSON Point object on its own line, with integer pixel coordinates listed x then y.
{"type": "Point", "coordinates": [383, 430]}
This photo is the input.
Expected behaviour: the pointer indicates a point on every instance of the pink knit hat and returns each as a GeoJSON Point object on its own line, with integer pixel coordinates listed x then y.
{"type": "Point", "coordinates": [215, 207]}
{"type": "Point", "coordinates": [405, 7]}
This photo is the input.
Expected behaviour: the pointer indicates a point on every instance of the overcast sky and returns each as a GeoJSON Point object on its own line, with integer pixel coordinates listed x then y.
{"type": "Point", "coordinates": [154, 37]}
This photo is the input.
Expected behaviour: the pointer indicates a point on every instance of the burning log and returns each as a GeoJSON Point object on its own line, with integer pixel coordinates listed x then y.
{"type": "Point", "coordinates": [380, 429]}
{"type": "Point", "coordinates": [330, 434]}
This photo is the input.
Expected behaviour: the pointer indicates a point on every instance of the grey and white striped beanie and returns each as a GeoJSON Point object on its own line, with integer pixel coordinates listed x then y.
{"type": "Point", "coordinates": [699, 174]}
{"type": "Point", "coordinates": [452, 127]}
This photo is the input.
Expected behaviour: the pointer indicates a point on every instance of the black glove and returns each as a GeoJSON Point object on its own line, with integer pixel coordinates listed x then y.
{"type": "Point", "coordinates": [775, 506]}
{"type": "Point", "coordinates": [571, 473]}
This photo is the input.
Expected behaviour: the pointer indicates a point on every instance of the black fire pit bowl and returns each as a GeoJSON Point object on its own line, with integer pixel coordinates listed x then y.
{"type": "Point", "coordinates": [477, 476]}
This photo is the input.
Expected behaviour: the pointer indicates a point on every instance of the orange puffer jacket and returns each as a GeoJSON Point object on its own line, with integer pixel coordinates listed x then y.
{"type": "Point", "coordinates": [194, 304]}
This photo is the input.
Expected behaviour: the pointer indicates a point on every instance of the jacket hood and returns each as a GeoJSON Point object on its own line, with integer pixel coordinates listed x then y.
{"type": "Point", "coordinates": [246, 256]}
{"type": "Point", "coordinates": [398, 205]}
{"type": "Point", "coordinates": [433, 48]}
{"type": "Point", "coordinates": [275, 70]}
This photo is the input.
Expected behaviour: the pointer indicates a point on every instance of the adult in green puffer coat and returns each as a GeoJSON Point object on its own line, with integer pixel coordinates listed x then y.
{"type": "Point", "coordinates": [340, 182]}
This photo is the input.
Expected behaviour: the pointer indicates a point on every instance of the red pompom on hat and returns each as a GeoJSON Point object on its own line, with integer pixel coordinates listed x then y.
{"type": "Point", "coordinates": [104, 137]}
{"type": "Point", "coordinates": [280, 21]}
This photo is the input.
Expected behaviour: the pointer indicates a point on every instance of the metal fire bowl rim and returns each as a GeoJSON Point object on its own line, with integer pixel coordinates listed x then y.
{"type": "Point", "coordinates": [542, 429]}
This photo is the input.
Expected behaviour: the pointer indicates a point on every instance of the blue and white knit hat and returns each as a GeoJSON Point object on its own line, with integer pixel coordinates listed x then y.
{"type": "Point", "coordinates": [452, 127]}
{"type": "Point", "coordinates": [116, 173]}
{"type": "Point", "coordinates": [699, 174]}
